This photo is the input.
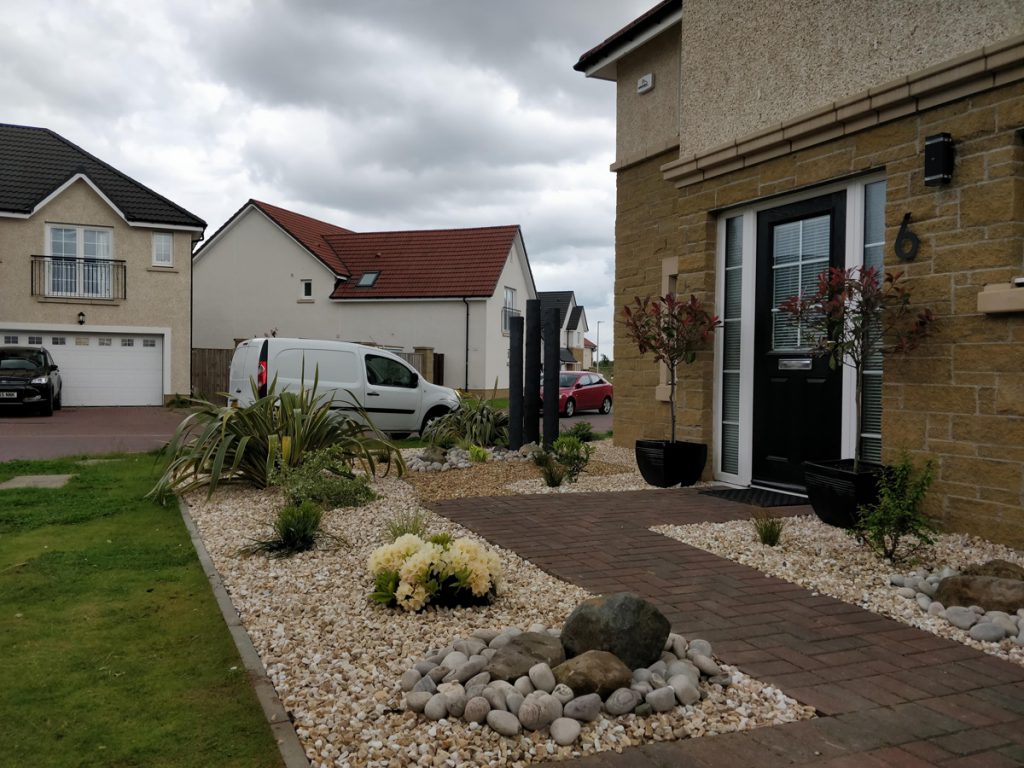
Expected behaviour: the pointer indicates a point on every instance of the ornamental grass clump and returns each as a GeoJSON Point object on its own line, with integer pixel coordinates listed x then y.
{"type": "Point", "coordinates": [768, 527]}
{"type": "Point", "coordinates": [296, 529]}
{"type": "Point", "coordinates": [573, 454]}
{"type": "Point", "coordinates": [475, 421]}
{"type": "Point", "coordinates": [412, 573]}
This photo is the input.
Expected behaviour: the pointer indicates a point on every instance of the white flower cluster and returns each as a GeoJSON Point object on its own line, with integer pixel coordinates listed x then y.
{"type": "Point", "coordinates": [427, 570]}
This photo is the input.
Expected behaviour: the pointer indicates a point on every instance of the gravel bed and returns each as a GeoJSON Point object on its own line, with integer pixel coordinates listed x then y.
{"type": "Point", "coordinates": [335, 658]}
{"type": "Point", "coordinates": [829, 561]}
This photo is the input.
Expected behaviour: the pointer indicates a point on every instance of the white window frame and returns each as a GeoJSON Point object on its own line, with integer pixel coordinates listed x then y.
{"type": "Point", "coordinates": [854, 257]}
{"type": "Point", "coordinates": [306, 289]}
{"type": "Point", "coordinates": [507, 309]}
{"type": "Point", "coordinates": [163, 237]}
{"type": "Point", "coordinates": [81, 278]}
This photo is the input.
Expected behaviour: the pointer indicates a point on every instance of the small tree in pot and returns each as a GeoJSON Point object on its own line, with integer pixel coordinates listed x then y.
{"type": "Point", "coordinates": [673, 331]}
{"type": "Point", "coordinates": [853, 317]}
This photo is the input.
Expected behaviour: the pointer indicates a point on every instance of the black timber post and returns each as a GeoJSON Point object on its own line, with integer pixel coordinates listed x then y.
{"type": "Point", "coordinates": [552, 355]}
{"type": "Point", "coordinates": [515, 383]}
{"type": "Point", "coordinates": [531, 370]}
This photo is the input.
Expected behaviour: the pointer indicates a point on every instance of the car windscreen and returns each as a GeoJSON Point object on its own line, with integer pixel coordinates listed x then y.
{"type": "Point", "coordinates": [21, 360]}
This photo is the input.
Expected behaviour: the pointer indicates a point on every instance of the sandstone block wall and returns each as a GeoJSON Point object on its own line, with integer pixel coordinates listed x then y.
{"type": "Point", "coordinates": [960, 398]}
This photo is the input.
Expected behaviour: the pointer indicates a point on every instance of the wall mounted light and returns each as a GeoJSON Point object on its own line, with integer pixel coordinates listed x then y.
{"type": "Point", "coordinates": [939, 158]}
{"type": "Point", "coordinates": [81, 318]}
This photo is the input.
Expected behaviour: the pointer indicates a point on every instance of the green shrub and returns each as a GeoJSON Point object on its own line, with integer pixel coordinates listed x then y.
{"type": "Point", "coordinates": [572, 454]}
{"type": "Point", "coordinates": [443, 539]}
{"type": "Point", "coordinates": [326, 477]}
{"type": "Point", "coordinates": [896, 526]}
{"type": "Point", "coordinates": [478, 455]}
{"type": "Point", "coordinates": [296, 529]}
{"type": "Point", "coordinates": [218, 444]}
{"type": "Point", "coordinates": [411, 572]}
{"type": "Point", "coordinates": [476, 421]}
{"type": "Point", "coordinates": [410, 521]}
{"type": "Point", "coordinates": [583, 430]}
{"type": "Point", "coordinates": [552, 472]}
{"type": "Point", "coordinates": [768, 527]}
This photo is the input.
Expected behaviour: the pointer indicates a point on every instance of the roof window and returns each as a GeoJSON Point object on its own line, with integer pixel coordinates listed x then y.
{"type": "Point", "coordinates": [368, 279]}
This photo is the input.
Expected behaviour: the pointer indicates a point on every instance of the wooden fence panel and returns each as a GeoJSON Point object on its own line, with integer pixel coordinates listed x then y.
{"type": "Point", "coordinates": [210, 373]}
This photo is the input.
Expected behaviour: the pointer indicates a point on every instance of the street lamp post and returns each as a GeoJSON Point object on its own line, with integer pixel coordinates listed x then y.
{"type": "Point", "coordinates": [597, 346]}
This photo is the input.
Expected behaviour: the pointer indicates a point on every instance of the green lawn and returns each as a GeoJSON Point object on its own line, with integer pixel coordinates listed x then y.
{"type": "Point", "coordinates": [112, 648]}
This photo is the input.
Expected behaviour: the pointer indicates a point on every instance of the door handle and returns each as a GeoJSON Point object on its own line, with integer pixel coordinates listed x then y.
{"type": "Point", "coordinates": [373, 394]}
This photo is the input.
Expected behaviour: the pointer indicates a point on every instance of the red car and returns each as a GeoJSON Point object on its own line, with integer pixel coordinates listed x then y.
{"type": "Point", "coordinates": [582, 391]}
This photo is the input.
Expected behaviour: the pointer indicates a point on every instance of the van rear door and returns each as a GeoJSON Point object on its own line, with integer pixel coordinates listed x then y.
{"type": "Point", "coordinates": [244, 369]}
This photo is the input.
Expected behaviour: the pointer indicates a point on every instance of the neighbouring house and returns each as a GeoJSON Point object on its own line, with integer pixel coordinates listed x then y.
{"type": "Point", "coordinates": [589, 349]}
{"type": "Point", "coordinates": [95, 267]}
{"type": "Point", "coordinates": [572, 324]}
{"type": "Point", "coordinates": [444, 292]}
{"type": "Point", "coordinates": [758, 144]}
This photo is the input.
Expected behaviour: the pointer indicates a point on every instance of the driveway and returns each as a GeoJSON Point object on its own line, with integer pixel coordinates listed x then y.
{"type": "Point", "coordinates": [85, 431]}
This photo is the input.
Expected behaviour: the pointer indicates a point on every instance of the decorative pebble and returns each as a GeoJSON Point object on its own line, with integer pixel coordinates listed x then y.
{"type": "Point", "coordinates": [531, 714]}
{"type": "Point", "coordinates": [417, 700]}
{"type": "Point", "coordinates": [661, 699]}
{"type": "Point", "coordinates": [988, 632]}
{"type": "Point", "coordinates": [563, 693]}
{"type": "Point", "coordinates": [584, 708]}
{"type": "Point", "coordinates": [513, 700]}
{"type": "Point", "coordinates": [542, 677]}
{"type": "Point", "coordinates": [565, 731]}
{"type": "Point", "coordinates": [409, 679]}
{"type": "Point", "coordinates": [476, 709]}
{"type": "Point", "coordinates": [698, 647]}
{"type": "Point", "coordinates": [437, 707]}
{"type": "Point", "coordinates": [503, 722]}
{"type": "Point", "coordinates": [958, 616]}
{"type": "Point", "coordinates": [621, 701]}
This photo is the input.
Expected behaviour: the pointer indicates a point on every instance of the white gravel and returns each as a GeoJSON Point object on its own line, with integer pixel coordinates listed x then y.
{"type": "Point", "coordinates": [829, 561]}
{"type": "Point", "coordinates": [335, 658]}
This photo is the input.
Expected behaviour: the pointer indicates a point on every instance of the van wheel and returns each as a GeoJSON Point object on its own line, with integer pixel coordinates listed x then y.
{"type": "Point", "coordinates": [399, 435]}
{"type": "Point", "coordinates": [432, 415]}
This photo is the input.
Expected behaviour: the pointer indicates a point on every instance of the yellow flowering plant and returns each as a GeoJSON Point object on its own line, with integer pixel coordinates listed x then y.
{"type": "Point", "coordinates": [411, 572]}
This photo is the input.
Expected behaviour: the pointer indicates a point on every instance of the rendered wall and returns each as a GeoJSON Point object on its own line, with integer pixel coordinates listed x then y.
{"type": "Point", "coordinates": [752, 66]}
{"type": "Point", "coordinates": [648, 123]}
{"type": "Point", "coordinates": [247, 284]}
{"type": "Point", "coordinates": [157, 297]}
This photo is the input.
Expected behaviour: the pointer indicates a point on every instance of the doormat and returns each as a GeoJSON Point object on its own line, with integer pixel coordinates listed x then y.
{"type": "Point", "coordinates": [758, 497]}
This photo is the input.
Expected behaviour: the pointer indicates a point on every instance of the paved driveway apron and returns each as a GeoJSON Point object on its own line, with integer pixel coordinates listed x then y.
{"type": "Point", "coordinates": [888, 694]}
{"type": "Point", "coordinates": [88, 431]}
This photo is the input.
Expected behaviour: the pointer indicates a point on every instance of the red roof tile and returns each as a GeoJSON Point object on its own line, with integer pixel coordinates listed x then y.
{"type": "Point", "coordinates": [309, 232]}
{"type": "Point", "coordinates": [438, 263]}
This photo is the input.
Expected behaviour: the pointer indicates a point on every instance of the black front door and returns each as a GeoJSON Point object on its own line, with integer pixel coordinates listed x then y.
{"type": "Point", "coordinates": [797, 399]}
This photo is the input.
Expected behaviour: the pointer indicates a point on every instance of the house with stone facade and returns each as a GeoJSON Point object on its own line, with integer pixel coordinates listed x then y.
{"type": "Point", "coordinates": [96, 268]}
{"type": "Point", "coordinates": [758, 144]}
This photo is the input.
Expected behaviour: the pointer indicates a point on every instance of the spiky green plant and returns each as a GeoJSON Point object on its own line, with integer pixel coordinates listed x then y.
{"type": "Point", "coordinates": [217, 444]}
{"type": "Point", "coordinates": [768, 527]}
{"type": "Point", "coordinates": [412, 521]}
{"type": "Point", "coordinates": [296, 529]}
{"type": "Point", "coordinates": [475, 421]}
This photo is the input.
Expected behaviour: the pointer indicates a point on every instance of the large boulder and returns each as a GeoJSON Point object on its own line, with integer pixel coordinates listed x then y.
{"type": "Point", "coordinates": [515, 658]}
{"type": "Point", "coordinates": [597, 672]}
{"type": "Point", "coordinates": [989, 592]}
{"type": "Point", "coordinates": [623, 624]}
{"type": "Point", "coordinates": [1000, 569]}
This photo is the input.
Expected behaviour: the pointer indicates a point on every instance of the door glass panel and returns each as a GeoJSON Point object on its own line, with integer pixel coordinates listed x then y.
{"type": "Point", "coordinates": [871, 395]}
{"type": "Point", "coordinates": [800, 254]}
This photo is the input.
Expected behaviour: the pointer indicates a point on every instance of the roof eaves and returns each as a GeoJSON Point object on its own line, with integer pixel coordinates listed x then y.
{"type": "Point", "coordinates": [600, 60]}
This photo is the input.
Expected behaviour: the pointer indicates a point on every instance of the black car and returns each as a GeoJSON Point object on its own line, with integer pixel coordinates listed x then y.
{"type": "Point", "coordinates": [28, 376]}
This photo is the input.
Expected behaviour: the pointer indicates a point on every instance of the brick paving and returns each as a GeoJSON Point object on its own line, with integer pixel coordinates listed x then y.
{"type": "Point", "coordinates": [887, 694]}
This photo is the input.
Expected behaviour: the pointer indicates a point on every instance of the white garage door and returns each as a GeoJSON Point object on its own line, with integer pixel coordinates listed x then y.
{"type": "Point", "coordinates": [104, 369]}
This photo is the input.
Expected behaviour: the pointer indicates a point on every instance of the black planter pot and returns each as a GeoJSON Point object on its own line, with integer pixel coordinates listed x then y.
{"type": "Point", "coordinates": [665, 464]}
{"type": "Point", "coordinates": [835, 491]}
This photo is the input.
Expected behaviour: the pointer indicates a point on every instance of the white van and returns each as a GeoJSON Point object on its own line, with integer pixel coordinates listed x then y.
{"type": "Point", "coordinates": [393, 394]}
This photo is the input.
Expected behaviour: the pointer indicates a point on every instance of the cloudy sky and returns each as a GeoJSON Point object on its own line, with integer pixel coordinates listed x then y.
{"type": "Point", "coordinates": [370, 114]}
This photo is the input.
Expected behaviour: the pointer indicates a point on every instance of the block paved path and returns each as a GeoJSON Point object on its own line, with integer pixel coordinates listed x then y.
{"type": "Point", "coordinates": [887, 694]}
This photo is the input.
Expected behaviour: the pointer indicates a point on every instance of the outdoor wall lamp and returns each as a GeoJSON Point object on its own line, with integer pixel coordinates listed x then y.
{"type": "Point", "coordinates": [81, 318]}
{"type": "Point", "coordinates": [938, 159]}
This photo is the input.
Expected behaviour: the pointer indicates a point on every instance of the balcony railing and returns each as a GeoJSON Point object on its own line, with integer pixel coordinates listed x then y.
{"type": "Point", "coordinates": [507, 313]}
{"type": "Point", "coordinates": [64, 278]}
